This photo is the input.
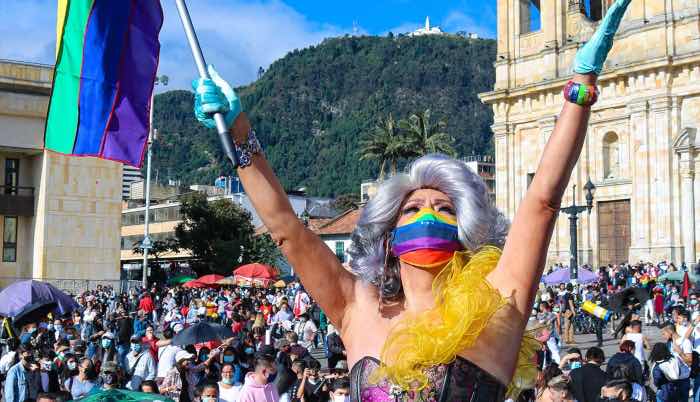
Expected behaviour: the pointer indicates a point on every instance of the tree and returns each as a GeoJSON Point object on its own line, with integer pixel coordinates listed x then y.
{"type": "Point", "coordinates": [345, 202]}
{"type": "Point", "coordinates": [220, 234]}
{"type": "Point", "coordinates": [158, 248]}
{"type": "Point", "coordinates": [264, 250]}
{"type": "Point", "coordinates": [385, 145]}
{"type": "Point", "coordinates": [426, 137]}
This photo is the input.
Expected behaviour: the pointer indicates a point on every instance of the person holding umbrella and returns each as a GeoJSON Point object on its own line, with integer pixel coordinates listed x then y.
{"type": "Point", "coordinates": [180, 383]}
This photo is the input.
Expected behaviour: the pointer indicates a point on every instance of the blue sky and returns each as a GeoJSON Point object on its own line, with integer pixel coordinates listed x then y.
{"type": "Point", "coordinates": [239, 36]}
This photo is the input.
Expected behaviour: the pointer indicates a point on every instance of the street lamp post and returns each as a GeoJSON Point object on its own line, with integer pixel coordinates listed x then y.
{"type": "Point", "coordinates": [147, 244]}
{"type": "Point", "coordinates": [573, 210]}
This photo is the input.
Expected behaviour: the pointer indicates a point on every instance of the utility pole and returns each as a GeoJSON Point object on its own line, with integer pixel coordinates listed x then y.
{"type": "Point", "coordinates": [147, 244]}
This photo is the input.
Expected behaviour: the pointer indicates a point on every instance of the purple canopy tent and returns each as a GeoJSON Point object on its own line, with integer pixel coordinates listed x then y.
{"type": "Point", "coordinates": [564, 275]}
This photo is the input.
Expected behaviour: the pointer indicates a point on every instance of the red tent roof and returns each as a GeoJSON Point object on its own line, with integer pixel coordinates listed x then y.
{"type": "Point", "coordinates": [256, 271]}
{"type": "Point", "coordinates": [210, 279]}
{"type": "Point", "coordinates": [194, 284]}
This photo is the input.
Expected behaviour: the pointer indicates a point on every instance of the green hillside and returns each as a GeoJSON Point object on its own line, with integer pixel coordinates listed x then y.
{"type": "Point", "coordinates": [311, 108]}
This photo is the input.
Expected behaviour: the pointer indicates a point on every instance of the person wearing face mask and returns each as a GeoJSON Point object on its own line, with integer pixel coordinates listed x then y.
{"type": "Point", "coordinates": [140, 364]}
{"type": "Point", "coordinates": [69, 366]}
{"type": "Point", "coordinates": [340, 390]}
{"type": "Point", "coordinates": [181, 381]}
{"type": "Point", "coordinates": [229, 389]}
{"type": "Point", "coordinates": [22, 381]}
{"type": "Point", "coordinates": [58, 332]}
{"type": "Point", "coordinates": [258, 386]}
{"type": "Point", "coordinates": [209, 392]}
{"type": "Point", "coordinates": [109, 375]}
{"type": "Point", "coordinates": [229, 357]}
{"type": "Point", "coordinates": [81, 384]}
{"type": "Point", "coordinates": [48, 373]}
{"type": "Point", "coordinates": [28, 334]}
{"type": "Point", "coordinates": [587, 380]}
{"type": "Point", "coordinates": [311, 388]}
{"type": "Point", "coordinates": [106, 350]}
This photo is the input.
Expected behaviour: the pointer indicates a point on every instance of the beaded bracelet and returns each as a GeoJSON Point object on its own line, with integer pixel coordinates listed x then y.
{"type": "Point", "coordinates": [247, 149]}
{"type": "Point", "coordinates": [580, 94]}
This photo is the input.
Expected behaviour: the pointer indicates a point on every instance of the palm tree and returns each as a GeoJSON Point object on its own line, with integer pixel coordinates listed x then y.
{"type": "Point", "coordinates": [426, 137]}
{"type": "Point", "coordinates": [386, 145]}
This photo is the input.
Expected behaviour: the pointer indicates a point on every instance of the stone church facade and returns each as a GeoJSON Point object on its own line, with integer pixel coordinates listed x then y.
{"type": "Point", "coordinates": [642, 148]}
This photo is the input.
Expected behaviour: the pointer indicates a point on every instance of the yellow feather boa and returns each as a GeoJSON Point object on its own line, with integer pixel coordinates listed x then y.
{"type": "Point", "coordinates": [465, 302]}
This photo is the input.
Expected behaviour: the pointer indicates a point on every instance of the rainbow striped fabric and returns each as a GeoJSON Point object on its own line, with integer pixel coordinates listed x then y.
{"type": "Point", "coordinates": [427, 239]}
{"type": "Point", "coordinates": [106, 62]}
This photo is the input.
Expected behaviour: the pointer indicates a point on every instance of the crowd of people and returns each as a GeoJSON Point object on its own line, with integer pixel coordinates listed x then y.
{"type": "Point", "coordinates": [125, 341]}
{"type": "Point", "coordinates": [633, 299]}
{"type": "Point", "coordinates": [284, 348]}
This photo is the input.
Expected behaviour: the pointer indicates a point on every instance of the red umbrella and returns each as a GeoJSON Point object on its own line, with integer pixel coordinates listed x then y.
{"type": "Point", "coordinates": [256, 271]}
{"type": "Point", "coordinates": [210, 279]}
{"type": "Point", "coordinates": [686, 285]}
{"type": "Point", "coordinates": [194, 284]}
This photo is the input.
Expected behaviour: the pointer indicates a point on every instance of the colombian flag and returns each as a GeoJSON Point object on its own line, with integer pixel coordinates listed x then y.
{"type": "Point", "coordinates": [106, 63]}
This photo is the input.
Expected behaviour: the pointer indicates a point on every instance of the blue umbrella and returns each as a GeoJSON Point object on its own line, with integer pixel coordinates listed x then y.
{"type": "Point", "coordinates": [564, 275]}
{"type": "Point", "coordinates": [16, 297]}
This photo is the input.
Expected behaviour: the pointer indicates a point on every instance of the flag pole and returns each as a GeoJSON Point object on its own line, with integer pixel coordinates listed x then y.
{"type": "Point", "coordinates": [221, 128]}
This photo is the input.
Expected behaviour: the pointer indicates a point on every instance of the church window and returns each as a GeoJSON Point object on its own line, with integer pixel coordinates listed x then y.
{"type": "Point", "coordinates": [530, 19]}
{"type": "Point", "coordinates": [594, 9]}
{"type": "Point", "coordinates": [611, 156]}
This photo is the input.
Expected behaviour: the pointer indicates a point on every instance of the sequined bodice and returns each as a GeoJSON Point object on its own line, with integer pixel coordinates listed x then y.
{"type": "Point", "coordinates": [459, 381]}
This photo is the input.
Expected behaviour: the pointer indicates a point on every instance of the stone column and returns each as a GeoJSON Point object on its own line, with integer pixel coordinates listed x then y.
{"type": "Point", "coordinates": [684, 146]}
{"type": "Point", "coordinates": [640, 208]}
{"type": "Point", "coordinates": [688, 197]}
{"type": "Point", "coordinates": [500, 131]}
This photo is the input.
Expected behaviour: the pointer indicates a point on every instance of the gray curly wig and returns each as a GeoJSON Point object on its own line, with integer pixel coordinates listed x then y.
{"type": "Point", "coordinates": [479, 222]}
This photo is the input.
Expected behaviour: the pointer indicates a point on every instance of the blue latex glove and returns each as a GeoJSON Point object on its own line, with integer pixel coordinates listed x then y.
{"type": "Point", "coordinates": [592, 55]}
{"type": "Point", "coordinates": [215, 96]}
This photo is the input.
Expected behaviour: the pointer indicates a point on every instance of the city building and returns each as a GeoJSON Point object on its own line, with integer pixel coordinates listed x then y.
{"type": "Point", "coordinates": [485, 167]}
{"type": "Point", "coordinates": [59, 215]}
{"type": "Point", "coordinates": [427, 30]}
{"type": "Point", "coordinates": [368, 189]}
{"type": "Point", "coordinates": [641, 150]}
{"type": "Point", "coordinates": [336, 232]}
{"type": "Point", "coordinates": [164, 216]}
{"type": "Point", "coordinates": [130, 175]}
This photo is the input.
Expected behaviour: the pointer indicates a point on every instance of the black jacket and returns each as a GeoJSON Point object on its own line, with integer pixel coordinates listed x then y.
{"type": "Point", "coordinates": [626, 359]}
{"type": "Point", "coordinates": [586, 382]}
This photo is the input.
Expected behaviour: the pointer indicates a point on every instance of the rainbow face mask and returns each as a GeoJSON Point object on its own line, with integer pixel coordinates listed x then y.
{"type": "Point", "coordinates": [427, 240]}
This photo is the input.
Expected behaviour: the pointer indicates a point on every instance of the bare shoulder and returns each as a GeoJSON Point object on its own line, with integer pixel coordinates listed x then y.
{"type": "Point", "coordinates": [365, 326]}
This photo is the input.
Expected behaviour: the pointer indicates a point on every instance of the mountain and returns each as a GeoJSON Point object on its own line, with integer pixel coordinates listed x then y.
{"type": "Point", "coordinates": [311, 108]}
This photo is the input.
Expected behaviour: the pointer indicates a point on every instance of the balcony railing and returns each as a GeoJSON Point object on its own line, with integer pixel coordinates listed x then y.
{"type": "Point", "coordinates": [16, 201]}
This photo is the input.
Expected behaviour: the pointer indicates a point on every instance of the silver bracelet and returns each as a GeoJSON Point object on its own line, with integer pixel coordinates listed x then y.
{"type": "Point", "coordinates": [246, 150]}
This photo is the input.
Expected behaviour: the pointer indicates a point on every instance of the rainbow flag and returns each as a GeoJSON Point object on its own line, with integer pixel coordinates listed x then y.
{"type": "Point", "coordinates": [106, 63]}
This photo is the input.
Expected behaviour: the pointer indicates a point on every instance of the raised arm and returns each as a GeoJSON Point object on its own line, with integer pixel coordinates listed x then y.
{"type": "Point", "coordinates": [520, 267]}
{"type": "Point", "coordinates": [319, 269]}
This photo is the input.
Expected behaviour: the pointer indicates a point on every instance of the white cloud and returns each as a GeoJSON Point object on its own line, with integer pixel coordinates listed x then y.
{"type": "Point", "coordinates": [28, 30]}
{"type": "Point", "coordinates": [236, 36]}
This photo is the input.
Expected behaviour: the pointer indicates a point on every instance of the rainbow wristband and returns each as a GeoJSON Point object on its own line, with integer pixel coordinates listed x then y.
{"type": "Point", "coordinates": [580, 94]}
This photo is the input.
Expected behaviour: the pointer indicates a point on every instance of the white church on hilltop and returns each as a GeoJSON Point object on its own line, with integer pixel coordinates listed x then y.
{"type": "Point", "coordinates": [427, 30]}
